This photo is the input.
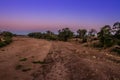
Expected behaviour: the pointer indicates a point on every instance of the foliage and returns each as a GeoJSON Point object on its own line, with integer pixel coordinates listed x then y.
{"type": "Point", "coordinates": [2, 44]}
{"type": "Point", "coordinates": [7, 38]}
{"type": "Point", "coordinates": [7, 34]}
{"type": "Point", "coordinates": [81, 33]}
{"type": "Point", "coordinates": [105, 36]}
{"type": "Point", "coordinates": [48, 35]}
{"type": "Point", "coordinates": [23, 59]}
{"type": "Point", "coordinates": [92, 32]}
{"type": "Point", "coordinates": [117, 50]}
{"type": "Point", "coordinates": [116, 30]}
{"type": "Point", "coordinates": [18, 67]}
{"type": "Point", "coordinates": [65, 34]}
{"type": "Point", "coordinates": [38, 62]}
{"type": "Point", "coordinates": [35, 35]}
{"type": "Point", "coordinates": [84, 39]}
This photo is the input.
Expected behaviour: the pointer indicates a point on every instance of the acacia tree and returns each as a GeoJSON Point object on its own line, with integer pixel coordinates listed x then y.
{"type": "Point", "coordinates": [50, 35]}
{"type": "Point", "coordinates": [35, 35]}
{"type": "Point", "coordinates": [92, 33]}
{"type": "Point", "coordinates": [81, 33]}
{"type": "Point", "coordinates": [116, 30]}
{"type": "Point", "coordinates": [7, 34]}
{"type": "Point", "coordinates": [65, 34]}
{"type": "Point", "coordinates": [105, 36]}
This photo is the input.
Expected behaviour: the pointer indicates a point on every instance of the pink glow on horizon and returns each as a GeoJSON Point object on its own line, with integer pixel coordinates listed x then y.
{"type": "Point", "coordinates": [43, 25]}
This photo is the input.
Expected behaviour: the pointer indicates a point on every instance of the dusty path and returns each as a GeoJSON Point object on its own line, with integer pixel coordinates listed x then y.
{"type": "Point", "coordinates": [68, 61]}
{"type": "Point", "coordinates": [16, 59]}
{"type": "Point", "coordinates": [33, 59]}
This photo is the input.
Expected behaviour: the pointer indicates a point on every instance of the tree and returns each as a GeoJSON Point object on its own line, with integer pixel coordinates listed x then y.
{"type": "Point", "coordinates": [116, 30]}
{"type": "Point", "coordinates": [50, 35]}
{"type": "Point", "coordinates": [105, 36]}
{"type": "Point", "coordinates": [81, 33]}
{"type": "Point", "coordinates": [5, 38]}
{"type": "Point", "coordinates": [65, 34]}
{"type": "Point", "coordinates": [7, 34]}
{"type": "Point", "coordinates": [91, 34]}
{"type": "Point", "coordinates": [35, 35]}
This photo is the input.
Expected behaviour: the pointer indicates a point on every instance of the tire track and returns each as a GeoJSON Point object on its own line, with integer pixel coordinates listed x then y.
{"type": "Point", "coordinates": [62, 63]}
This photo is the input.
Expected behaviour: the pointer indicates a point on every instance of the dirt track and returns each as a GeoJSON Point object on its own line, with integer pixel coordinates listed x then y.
{"type": "Point", "coordinates": [59, 61]}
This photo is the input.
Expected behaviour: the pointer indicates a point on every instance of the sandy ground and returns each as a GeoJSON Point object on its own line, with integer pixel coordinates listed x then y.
{"type": "Point", "coordinates": [11, 56]}
{"type": "Point", "coordinates": [34, 59]}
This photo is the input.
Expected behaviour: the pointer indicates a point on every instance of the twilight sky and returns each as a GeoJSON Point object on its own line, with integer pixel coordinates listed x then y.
{"type": "Point", "coordinates": [22, 16]}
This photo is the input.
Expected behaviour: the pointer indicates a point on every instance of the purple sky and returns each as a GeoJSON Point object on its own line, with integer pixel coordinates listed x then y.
{"type": "Point", "coordinates": [22, 16]}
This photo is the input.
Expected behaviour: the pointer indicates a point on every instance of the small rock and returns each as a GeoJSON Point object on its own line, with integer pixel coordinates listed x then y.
{"type": "Point", "coordinates": [94, 57]}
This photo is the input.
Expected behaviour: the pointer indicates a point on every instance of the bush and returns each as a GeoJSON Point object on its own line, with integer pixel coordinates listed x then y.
{"type": "Point", "coordinates": [8, 40]}
{"type": "Point", "coordinates": [2, 44]}
{"type": "Point", "coordinates": [7, 34]}
{"type": "Point", "coordinates": [65, 34]}
{"type": "Point", "coordinates": [48, 36]}
{"type": "Point", "coordinates": [116, 50]}
{"type": "Point", "coordinates": [97, 45]}
{"type": "Point", "coordinates": [118, 42]}
{"type": "Point", "coordinates": [84, 40]}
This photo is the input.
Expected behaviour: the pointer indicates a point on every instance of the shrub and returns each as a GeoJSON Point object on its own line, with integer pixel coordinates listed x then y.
{"type": "Point", "coordinates": [48, 35]}
{"type": "Point", "coordinates": [7, 34]}
{"type": "Point", "coordinates": [65, 34]}
{"type": "Point", "coordinates": [118, 42]}
{"type": "Point", "coordinates": [2, 44]}
{"type": "Point", "coordinates": [23, 59]}
{"type": "Point", "coordinates": [26, 69]}
{"type": "Point", "coordinates": [97, 45]}
{"type": "Point", "coordinates": [84, 40]}
{"type": "Point", "coordinates": [117, 50]}
{"type": "Point", "coordinates": [8, 40]}
{"type": "Point", "coordinates": [18, 67]}
{"type": "Point", "coordinates": [38, 62]}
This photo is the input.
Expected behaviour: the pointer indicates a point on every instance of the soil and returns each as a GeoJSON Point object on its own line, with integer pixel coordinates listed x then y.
{"type": "Point", "coordinates": [37, 59]}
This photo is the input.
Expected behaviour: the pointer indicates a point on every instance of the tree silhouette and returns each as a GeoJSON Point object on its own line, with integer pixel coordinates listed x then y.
{"type": "Point", "coordinates": [82, 33]}
{"type": "Point", "coordinates": [116, 30]}
{"type": "Point", "coordinates": [91, 34]}
{"type": "Point", "coordinates": [105, 36]}
{"type": "Point", "coordinates": [65, 34]}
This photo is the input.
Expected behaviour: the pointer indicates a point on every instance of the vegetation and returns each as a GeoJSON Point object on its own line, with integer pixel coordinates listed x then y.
{"type": "Point", "coordinates": [5, 38]}
{"type": "Point", "coordinates": [107, 37]}
{"type": "Point", "coordinates": [26, 69]}
{"type": "Point", "coordinates": [65, 34]}
{"type": "Point", "coordinates": [48, 35]}
{"type": "Point", "coordinates": [23, 59]}
{"type": "Point", "coordinates": [82, 34]}
{"type": "Point", "coordinates": [38, 62]}
{"type": "Point", "coordinates": [7, 34]}
{"type": "Point", "coordinates": [18, 67]}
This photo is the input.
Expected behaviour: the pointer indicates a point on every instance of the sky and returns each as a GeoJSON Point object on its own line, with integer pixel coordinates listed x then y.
{"type": "Point", "coordinates": [23, 16]}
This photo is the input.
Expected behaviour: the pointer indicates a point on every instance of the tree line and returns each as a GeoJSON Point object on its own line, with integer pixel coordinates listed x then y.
{"type": "Point", "coordinates": [107, 36]}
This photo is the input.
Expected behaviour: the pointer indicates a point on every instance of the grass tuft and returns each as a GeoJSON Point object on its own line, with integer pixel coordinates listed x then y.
{"type": "Point", "coordinates": [23, 59]}
{"type": "Point", "coordinates": [38, 62]}
{"type": "Point", "coordinates": [18, 67]}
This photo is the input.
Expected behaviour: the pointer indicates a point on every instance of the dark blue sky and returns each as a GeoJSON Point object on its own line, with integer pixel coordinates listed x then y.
{"type": "Point", "coordinates": [40, 15]}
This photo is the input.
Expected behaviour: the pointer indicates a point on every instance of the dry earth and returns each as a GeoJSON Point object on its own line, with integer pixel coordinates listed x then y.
{"type": "Point", "coordinates": [34, 59]}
